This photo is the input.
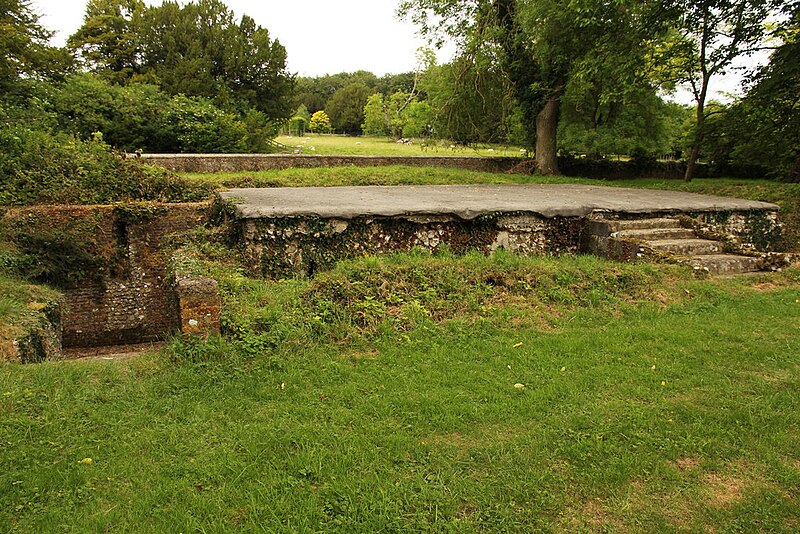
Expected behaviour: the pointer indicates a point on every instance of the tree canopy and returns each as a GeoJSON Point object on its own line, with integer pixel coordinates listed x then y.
{"type": "Point", "coordinates": [545, 46]}
{"type": "Point", "coordinates": [25, 52]}
{"type": "Point", "coordinates": [197, 49]}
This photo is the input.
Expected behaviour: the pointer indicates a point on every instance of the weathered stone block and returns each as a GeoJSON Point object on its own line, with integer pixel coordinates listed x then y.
{"type": "Point", "coordinates": [199, 304]}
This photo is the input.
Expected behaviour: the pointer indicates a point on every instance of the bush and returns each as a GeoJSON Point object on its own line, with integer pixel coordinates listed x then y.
{"type": "Point", "coordinates": [38, 167]}
{"type": "Point", "coordinates": [191, 124]}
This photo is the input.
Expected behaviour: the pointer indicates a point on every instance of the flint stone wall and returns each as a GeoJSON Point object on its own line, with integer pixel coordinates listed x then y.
{"type": "Point", "coordinates": [268, 162]}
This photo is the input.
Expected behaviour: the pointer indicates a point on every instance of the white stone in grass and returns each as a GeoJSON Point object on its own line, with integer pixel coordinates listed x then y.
{"type": "Point", "coordinates": [519, 386]}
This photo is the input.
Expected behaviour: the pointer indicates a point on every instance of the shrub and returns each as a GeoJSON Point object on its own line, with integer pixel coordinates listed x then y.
{"type": "Point", "coordinates": [38, 167]}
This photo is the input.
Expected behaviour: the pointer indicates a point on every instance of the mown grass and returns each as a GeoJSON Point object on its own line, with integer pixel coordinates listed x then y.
{"type": "Point", "coordinates": [384, 146]}
{"type": "Point", "coordinates": [384, 395]}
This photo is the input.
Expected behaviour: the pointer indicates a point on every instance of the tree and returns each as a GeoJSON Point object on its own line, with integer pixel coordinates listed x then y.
{"type": "Point", "coordinates": [197, 49]}
{"type": "Point", "coordinates": [320, 122]}
{"type": "Point", "coordinates": [420, 118]}
{"type": "Point", "coordinates": [763, 128]}
{"type": "Point", "coordinates": [544, 46]}
{"type": "Point", "coordinates": [471, 97]}
{"type": "Point", "coordinates": [346, 108]}
{"type": "Point", "coordinates": [709, 35]}
{"type": "Point", "coordinates": [640, 122]}
{"type": "Point", "coordinates": [194, 124]}
{"type": "Point", "coordinates": [299, 122]}
{"type": "Point", "coordinates": [375, 119]}
{"type": "Point", "coordinates": [107, 41]}
{"type": "Point", "coordinates": [24, 52]}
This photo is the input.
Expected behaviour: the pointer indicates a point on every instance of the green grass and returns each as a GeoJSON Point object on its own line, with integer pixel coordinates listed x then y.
{"type": "Point", "coordinates": [381, 396]}
{"type": "Point", "coordinates": [383, 146]}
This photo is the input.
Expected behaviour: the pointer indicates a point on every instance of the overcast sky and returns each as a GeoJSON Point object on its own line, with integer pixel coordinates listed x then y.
{"type": "Point", "coordinates": [320, 36]}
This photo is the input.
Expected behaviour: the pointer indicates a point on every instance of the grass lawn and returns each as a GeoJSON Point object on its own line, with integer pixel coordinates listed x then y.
{"type": "Point", "coordinates": [429, 392]}
{"type": "Point", "coordinates": [420, 392]}
{"type": "Point", "coordinates": [384, 146]}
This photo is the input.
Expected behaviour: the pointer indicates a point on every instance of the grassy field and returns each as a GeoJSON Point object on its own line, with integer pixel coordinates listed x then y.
{"type": "Point", "coordinates": [420, 392]}
{"type": "Point", "coordinates": [383, 146]}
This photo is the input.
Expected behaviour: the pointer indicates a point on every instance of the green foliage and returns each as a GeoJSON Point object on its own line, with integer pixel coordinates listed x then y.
{"type": "Point", "coordinates": [764, 126]}
{"type": "Point", "coordinates": [193, 124]}
{"type": "Point", "coordinates": [541, 48]}
{"type": "Point", "coordinates": [420, 118]}
{"type": "Point", "coordinates": [375, 116]}
{"type": "Point", "coordinates": [142, 117]}
{"type": "Point", "coordinates": [39, 167]}
{"type": "Point", "coordinates": [314, 93]}
{"type": "Point", "coordinates": [346, 108]}
{"type": "Point", "coordinates": [197, 49]}
{"type": "Point", "coordinates": [401, 116]}
{"type": "Point", "coordinates": [320, 122]}
{"type": "Point", "coordinates": [107, 41]}
{"type": "Point", "coordinates": [708, 37]}
{"type": "Point", "coordinates": [641, 123]}
{"type": "Point", "coordinates": [471, 99]}
{"type": "Point", "coordinates": [25, 55]}
{"type": "Point", "coordinates": [298, 124]}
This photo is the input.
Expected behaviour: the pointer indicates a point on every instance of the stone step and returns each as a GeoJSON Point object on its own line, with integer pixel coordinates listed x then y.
{"type": "Point", "coordinates": [606, 227]}
{"type": "Point", "coordinates": [654, 234]}
{"type": "Point", "coordinates": [687, 247]}
{"type": "Point", "coordinates": [725, 263]}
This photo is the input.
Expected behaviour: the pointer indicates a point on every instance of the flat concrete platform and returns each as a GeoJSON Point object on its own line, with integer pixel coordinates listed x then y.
{"type": "Point", "coordinates": [470, 201]}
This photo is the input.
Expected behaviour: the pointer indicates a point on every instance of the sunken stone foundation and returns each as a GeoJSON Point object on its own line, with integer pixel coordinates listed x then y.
{"type": "Point", "coordinates": [289, 246]}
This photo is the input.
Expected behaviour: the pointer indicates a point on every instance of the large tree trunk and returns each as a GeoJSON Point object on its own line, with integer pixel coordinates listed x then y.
{"type": "Point", "coordinates": [546, 136]}
{"type": "Point", "coordinates": [699, 131]}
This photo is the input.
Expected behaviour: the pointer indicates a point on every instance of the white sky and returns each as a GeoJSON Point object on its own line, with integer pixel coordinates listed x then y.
{"type": "Point", "coordinates": [320, 36]}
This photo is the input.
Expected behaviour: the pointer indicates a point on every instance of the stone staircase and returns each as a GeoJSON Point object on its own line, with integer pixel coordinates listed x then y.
{"type": "Point", "coordinates": [665, 238]}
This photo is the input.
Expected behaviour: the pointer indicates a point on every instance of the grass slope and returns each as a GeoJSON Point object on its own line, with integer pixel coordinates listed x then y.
{"type": "Point", "coordinates": [383, 396]}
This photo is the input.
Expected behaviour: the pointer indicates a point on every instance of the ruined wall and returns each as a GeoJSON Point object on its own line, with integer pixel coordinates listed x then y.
{"type": "Point", "coordinates": [303, 245]}
{"type": "Point", "coordinates": [264, 162]}
{"type": "Point", "coordinates": [121, 293]}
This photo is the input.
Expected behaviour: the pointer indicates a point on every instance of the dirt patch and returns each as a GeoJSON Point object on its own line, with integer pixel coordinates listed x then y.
{"type": "Point", "coordinates": [687, 464]}
{"type": "Point", "coordinates": [765, 286]}
{"type": "Point", "coordinates": [115, 352]}
{"type": "Point", "coordinates": [592, 516]}
{"type": "Point", "coordinates": [725, 490]}
{"type": "Point", "coordinates": [466, 509]}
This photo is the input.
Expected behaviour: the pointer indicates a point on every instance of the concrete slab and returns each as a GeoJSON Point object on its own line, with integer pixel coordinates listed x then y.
{"type": "Point", "coordinates": [471, 201]}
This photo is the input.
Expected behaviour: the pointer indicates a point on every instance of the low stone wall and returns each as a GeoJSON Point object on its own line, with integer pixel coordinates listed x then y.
{"type": "Point", "coordinates": [266, 162]}
{"type": "Point", "coordinates": [289, 246]}
{"type": "Point", "coordinates": [123, 294]}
